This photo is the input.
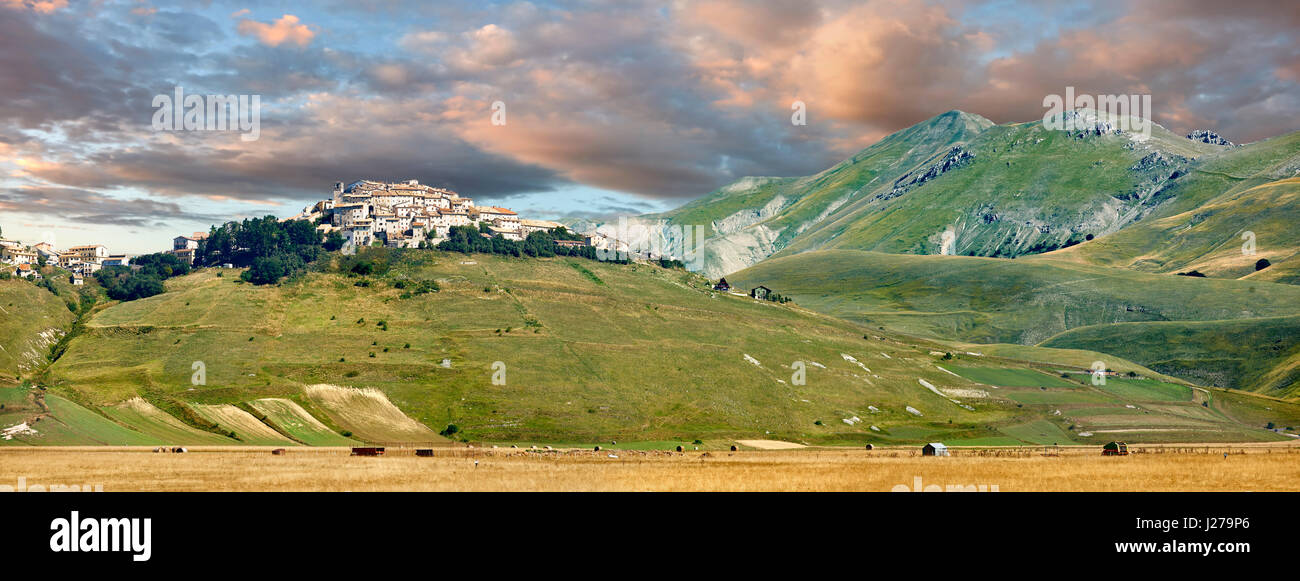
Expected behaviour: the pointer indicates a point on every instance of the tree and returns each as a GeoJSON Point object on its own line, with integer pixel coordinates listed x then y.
{"type": "Point", "coordinates": [268, 270]}
{"type": "Point", "coordinates": [335, 241]}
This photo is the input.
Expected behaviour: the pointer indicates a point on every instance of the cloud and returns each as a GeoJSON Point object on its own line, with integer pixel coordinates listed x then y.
{"type": "Point", "coordinates": [664, 102]}
{"type": "Point", "coordinates": [38, 6]}
{"type": "Point", "coordinates": [285, 29]}
{"type": "Point", "coordinates": [77, 205]}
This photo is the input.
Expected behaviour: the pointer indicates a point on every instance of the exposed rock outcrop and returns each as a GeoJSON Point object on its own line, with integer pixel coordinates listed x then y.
{"type": "Point", "coordinates": [955, 158]}
{"type": "Point", "coordinates": [1207, 136]}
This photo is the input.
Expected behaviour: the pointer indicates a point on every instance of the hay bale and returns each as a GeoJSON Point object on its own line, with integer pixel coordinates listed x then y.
{"type": "Point", "coordinates": [870, 447]}
{"type": "Point", "coordinates": [735, 448]}
{"type": "Point", "coordinates": [277, 452]}
{"type": "Point", "coordinates": [681, 449]}
{"type": "Point", "coordinates": [597, 448]}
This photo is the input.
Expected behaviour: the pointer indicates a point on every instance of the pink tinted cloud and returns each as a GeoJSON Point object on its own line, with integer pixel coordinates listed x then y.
{"type": "Point", "coordinates": [285, 29]}
{"type": "Point", "coordinates": [38, 6]}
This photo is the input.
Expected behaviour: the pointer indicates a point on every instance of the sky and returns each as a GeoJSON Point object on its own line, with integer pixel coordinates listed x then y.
{"type": "Point", "coordinates": [611, 108]}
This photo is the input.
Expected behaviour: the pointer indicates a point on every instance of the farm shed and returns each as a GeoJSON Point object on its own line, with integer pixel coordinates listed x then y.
{"type": "Point", "coordinates": [424, 452]}
{"type": "Point", "coordinates": [367, 451]}
{"type": "Point", "coordinates": [1115, 449]}
{"type": "Point", "coordinates": [934, 449]}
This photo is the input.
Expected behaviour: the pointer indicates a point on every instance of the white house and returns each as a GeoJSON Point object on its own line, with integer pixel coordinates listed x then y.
{"type": "Point", "coordinates": [17, 255]}
{"type": "Point", "coordinates": [506, 233]}
{"type": "Point", "coordinates": [530, 226]}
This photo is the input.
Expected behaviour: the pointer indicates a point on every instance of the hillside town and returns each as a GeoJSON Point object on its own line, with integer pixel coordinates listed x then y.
{"type": "Point", "coordinates": [405, 214]}
{"type": "Point", "coordinates": [408, 213]}
{"type": "Point", "coordinates": [21, 260]}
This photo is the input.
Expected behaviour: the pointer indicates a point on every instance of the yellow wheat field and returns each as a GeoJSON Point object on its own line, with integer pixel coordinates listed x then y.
{"type": "Point", "coordinates": [1246, 468]}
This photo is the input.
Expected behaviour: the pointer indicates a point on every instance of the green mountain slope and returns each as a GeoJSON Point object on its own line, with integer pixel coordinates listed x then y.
{"type": "Point", "coordinates": [1013, 190]}
{"type": "Point", "coordinates": [957, 184]}
{"type": "Point", "coordinates": [754, 217]}
{"type": "Point", "coordinates": [1252, 188]}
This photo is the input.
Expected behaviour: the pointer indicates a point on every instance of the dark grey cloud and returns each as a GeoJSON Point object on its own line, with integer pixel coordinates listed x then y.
{"type": "Point", "coordinates": [91, 207]}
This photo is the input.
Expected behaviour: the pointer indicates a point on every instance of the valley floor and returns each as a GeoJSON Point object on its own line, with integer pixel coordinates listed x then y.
{"type": "Point", "coordinates": [1180, 467]}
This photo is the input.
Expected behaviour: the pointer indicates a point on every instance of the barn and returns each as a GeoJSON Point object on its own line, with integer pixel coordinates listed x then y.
{"type": "Point", "coordinates": [1115, 449]}
{"type": "Point", "coordinates": [934, 449]}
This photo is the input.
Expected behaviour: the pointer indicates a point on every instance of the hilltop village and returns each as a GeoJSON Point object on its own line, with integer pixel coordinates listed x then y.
{"type": "Point", "coordinates": [404, 214]}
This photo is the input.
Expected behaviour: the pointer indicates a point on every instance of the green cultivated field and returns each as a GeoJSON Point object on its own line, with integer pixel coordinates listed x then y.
{"type": "Point", "coordinates": [1039, 432]}
{"type": "Point", "coordinates": [1010, 377]}
{"type": "Point", "coordinates": [1144, 389]}
{"type": "Point", "coordinates": [65, 423]}
{"type": "Point", "coordinates": [290, 418]}
{"type": "Point", "coordinates": [147, 419]}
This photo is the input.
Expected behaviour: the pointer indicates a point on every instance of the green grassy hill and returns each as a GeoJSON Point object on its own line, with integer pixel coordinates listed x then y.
{"type": "Point", "coordinates": [1260, 354]}
{"type": "Point", "coordinates": [32, 320]}
{"type": "Point", "coordinates": [1031, 300]}
{"type": "Point", "coordinates": [582, 352]}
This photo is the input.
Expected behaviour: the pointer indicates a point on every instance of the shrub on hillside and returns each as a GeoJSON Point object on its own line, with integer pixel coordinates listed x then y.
{"type": "Point", "coordinates": [267, 270]}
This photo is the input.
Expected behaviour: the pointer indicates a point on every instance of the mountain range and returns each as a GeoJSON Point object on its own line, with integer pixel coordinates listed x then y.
{"type": "Point", "coordinates": [1049, 231]}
